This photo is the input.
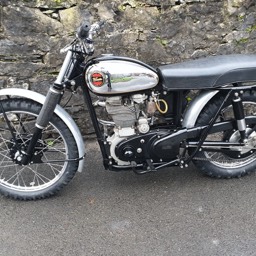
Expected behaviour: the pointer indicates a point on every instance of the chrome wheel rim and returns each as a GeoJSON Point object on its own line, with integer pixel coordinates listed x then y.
{"type": "Point", "coordinates": [35, 176]}
{"type": "Point", "coordinates": [222, 160]}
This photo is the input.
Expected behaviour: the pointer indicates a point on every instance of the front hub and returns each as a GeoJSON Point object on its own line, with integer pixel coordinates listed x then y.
{"type": "Point", "coordinates": [17, 150]}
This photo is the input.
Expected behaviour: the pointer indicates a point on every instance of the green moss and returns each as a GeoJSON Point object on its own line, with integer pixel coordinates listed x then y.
{"type": "Point", "coordinates": [132, 3]}
{"type": "Point", "coordinates": [55, 4]}
{"type": "Point", "coordinates": [242, 41]}
{"type": "Point", "coordinates": [121, 8]}
{"type": "Point", "coordinates": [251, 28]}
{"type": "Point", "coordinates": [241, 17]}
{"type": "Point", "coordinates": [162, 41]}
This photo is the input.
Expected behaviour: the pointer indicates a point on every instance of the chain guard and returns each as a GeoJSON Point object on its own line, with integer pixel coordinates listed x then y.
{"type": "Point", "coordinates": [217, 160]}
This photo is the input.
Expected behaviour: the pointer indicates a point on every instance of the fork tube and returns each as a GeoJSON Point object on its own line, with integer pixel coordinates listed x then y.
{"type": "Point", "coordinates": [45, 114]}
{"type": "Point", "coordinates": [64, 68]}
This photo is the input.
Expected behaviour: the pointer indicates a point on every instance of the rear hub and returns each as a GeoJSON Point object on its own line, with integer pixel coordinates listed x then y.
{"type": "Point", "coordinates": [250, 145]}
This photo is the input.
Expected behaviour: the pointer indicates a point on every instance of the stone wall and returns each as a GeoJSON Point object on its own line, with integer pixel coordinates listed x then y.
{"type": "Point", "coordinates": [154, 31]}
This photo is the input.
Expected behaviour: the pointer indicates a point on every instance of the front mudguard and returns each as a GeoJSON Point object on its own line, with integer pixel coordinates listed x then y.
{"type": "Point", "coordinates": [195, 108]}
{"type": "Point", "coordinates": [59, 111]}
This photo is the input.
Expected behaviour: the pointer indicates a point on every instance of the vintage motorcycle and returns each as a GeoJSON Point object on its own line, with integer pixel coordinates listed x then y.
{"type": "Point", "coordinates": [151, 121]}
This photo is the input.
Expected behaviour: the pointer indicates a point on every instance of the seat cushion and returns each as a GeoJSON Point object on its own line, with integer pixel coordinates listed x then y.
{"type": "Point", "coordinates": [209, 72]}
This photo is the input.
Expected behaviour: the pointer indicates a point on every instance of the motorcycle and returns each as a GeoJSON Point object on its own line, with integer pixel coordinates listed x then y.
{"type": "Point", "coordinates": [152, 120]}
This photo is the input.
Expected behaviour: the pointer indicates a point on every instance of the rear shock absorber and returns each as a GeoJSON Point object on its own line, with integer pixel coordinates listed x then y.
{"type": "Point", "coordinates": [239, 116]}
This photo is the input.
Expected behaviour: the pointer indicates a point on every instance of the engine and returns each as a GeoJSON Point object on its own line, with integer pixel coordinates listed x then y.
{"type": "Point", "coordinates": [133, 114]}
{"type": "Point", "coordinates": [129, 116]}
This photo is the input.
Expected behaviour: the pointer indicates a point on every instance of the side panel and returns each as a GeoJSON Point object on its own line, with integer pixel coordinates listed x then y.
{"type": "Point", "coordinates": [196, 107]}
{"type": "Point", "coordinates": [59, 111]}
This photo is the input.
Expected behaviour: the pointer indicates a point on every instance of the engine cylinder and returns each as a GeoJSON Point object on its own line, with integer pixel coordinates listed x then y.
{"type": "Point", "coordinates": [122, 115]}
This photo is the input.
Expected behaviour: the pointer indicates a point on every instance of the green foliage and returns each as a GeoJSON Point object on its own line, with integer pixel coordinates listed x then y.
{"type": "Point", "coordinates": [242, 40]}
{"type": "Point", "coordinates": [251, 28]}
{"type": "Point", "coordinates": [162, 41]}
{"type": "Point", "coordinates": [132, 3]}
{"type": "Point", "coordinates": [241, 17]}
{"type": "Point", "coordinates": [50, 143]}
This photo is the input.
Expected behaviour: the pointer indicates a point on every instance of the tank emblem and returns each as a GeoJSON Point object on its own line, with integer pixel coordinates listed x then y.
{"type": "Point", "coordinates": [97, 79]}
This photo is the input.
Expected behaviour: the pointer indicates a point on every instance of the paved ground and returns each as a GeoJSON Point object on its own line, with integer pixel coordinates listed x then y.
{"type": "Point", "coordinates": [172, 212]}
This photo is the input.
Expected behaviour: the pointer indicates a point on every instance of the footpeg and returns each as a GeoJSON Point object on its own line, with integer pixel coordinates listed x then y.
{"type": "Point", "coordinates": [150, 168]}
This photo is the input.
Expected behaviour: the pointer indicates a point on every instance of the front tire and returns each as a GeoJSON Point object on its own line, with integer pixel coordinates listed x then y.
{"type": "Point", "coordinates": [219, 164]}
{"type": "Point", "coordinates": [48, 170]}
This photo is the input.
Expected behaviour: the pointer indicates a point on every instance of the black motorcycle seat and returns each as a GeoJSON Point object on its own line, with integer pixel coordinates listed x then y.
{"type": "Point", "coordinates": [210, 72]}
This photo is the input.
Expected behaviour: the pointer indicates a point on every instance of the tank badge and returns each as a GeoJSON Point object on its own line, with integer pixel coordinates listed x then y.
{"type": "Point", "coordinates": [97, 79]}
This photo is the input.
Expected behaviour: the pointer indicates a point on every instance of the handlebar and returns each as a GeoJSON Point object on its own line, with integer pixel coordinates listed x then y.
{"type": "Point", "coordinates": [85, 35]}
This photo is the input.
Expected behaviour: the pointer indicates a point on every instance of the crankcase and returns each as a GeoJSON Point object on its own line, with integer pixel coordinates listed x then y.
{"type": "Point", "coordinates": [155, 145]}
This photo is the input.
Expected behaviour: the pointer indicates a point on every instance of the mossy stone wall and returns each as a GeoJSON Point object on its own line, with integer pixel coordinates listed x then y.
{"type": "Point", "coordinates": [154, 31]}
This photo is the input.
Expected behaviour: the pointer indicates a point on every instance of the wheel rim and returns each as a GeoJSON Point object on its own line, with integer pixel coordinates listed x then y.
{"type": "Point", "coordinates": [36, 176]}
{"type": "Point", "coordinates": [221, 160]}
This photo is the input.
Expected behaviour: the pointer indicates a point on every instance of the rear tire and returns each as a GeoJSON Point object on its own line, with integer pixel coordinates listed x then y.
{"type": "Point", "coordinates": [48, 171]}
{"type": "Point", "coordinates": [218, 164]}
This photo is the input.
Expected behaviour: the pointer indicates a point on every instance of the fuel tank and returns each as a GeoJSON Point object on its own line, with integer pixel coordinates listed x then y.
{"type": "Point", "coordinates": [110, 75]}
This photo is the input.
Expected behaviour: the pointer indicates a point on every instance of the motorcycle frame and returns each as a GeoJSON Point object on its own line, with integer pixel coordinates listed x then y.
{"type": "Point", "coordinates": [190, 132]}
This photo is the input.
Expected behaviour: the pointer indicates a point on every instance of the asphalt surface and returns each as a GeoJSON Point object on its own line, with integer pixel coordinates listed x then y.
{"type": "Point", "coordinates": [171, 212]}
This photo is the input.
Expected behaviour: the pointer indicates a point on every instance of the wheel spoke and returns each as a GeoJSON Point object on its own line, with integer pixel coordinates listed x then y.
{"type": "Point", "coordinates": [225, 160]}
{"type": "Point", "coordinates": [41, 177]}
{"type": "Point", "coordinates": [34, 176]}
{"type": "Point", "coordinates": [48, 169]}
{"type": "Point", "coordinates": [16, 174]}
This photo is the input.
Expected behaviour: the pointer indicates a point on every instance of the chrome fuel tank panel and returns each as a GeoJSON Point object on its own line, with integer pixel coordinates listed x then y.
{"type": "Point", "coordinates": [115, 76]}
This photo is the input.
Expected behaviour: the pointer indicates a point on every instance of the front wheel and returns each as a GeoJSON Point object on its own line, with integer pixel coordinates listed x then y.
{"type": "Point", "coordinates": [229, 164]}
{"type": "Point", "coordinates": [48, 170]}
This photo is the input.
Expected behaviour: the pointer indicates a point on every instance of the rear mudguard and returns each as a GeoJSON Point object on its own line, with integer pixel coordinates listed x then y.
{"type": "Point", "coordinates": [59, 111]}
{"type": "Point", "coordinates": [195, 108]}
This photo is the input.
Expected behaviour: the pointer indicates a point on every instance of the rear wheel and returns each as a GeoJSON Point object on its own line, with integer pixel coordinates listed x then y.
{"type": "Point", "coordinates": [231, 163]}
{"type": "Point", "coordinates": [48, 170]}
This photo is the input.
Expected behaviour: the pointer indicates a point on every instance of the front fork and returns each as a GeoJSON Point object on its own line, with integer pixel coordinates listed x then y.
{"type": "Point", "coordinates": [52, 99]}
